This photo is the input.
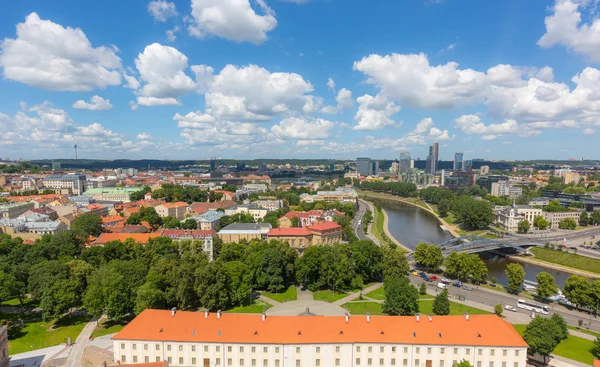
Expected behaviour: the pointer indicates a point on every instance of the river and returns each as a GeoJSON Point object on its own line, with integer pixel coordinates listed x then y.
{"type": "Point", "coordinates": [411, 225]}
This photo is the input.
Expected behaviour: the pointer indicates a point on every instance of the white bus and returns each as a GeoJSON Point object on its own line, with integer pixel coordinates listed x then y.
{"type": "Point", "coordinates": [530, 306]}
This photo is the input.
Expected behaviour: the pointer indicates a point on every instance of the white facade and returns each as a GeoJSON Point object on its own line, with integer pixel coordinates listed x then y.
{"type": "Point", "coordinates": [505, 188]}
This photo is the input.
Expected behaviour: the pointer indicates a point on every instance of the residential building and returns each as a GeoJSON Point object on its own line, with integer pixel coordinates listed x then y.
{"type": "Point", "coordinates": [111, 193]}
{"type": "Point", "coordinates": [203, 207]}
{"type": "Point", "coordinates": [341, 194]}
{"type": "Point", "coordinates": [13, 210]}
{"type": "Point", "coordinates": [484, 170]}
{"type": "Point", "coordinates": [485, 182]}
{"type": "Point", "coordinates": [257, 187]}
{"type": "Point", "coordinates": [405, 162]}
{"type": "Point", "coordinates": [206, 237]}
{"type": "Point", "coordinates": [101, 210]}
{"type": "Point", "coordinates": [318, 234]}
{"type": "Point", "coordinates": [458, 162]}
{"type": "Point", "coordinates": [105, 238]}
{"type": "Point", "coordinates": [308, 218]}
{"type": "Point", "coordinates": [363, 166]}
{"type": "Point", "coordinates": [75, 184]}
{"type": "Point", "coordinates": [18, 226]}
{"type": "Point", "coordinates": [237, 232]}
{"type": "Point", "coordinates": [459, 179]}
{"type": "Point", "coordinates": [395, 167]}
{"type": "Point", "coordinates": [82, 200]}
{"type": "Point", "coordinates": [505, 188]}
{"type": "Point", "coordinates": [271, 205]}
{"type": "Point", "coordinates": [113, 220]}
{"type": "Point", "coordinates": [257, 212]}
{"type": "Point", "coordinates": [186, 338]}
{"type": "Point", "coordinates": [4, 358]}
{"type": "Point", "coordinates": [210, 220]}
{"type": "Point", "coordinates": [175, 210]}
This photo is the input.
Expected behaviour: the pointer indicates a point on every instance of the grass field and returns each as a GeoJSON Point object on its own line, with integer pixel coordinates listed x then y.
{"type": "Point", "coordinates": [328, 296]}
{"type": "Point", "coordinates": [28, 303]}
{"type": "Point", "coordinates": [361, 308]}
{"type": "Point", "coordinates": [288, 295]}
{"type": "Point", "coordinates": [257, 307]}
{"type": "Point", "coordinates": [377, 226]}
{"type": "Point", "coordinates": [36, 335]}
{"type": "Point", "coordinates": [573, 347]}
{"type": "Point", "coordinates": [567, 259]}
{"type": "Point", "coordinates": [379, 294]}
{"type": "Point", "coordinates": [425, 307]}
{"type": "Point", "coordinates": [106, 327]}
{"type": "Point", "coordinates": [585, 331]}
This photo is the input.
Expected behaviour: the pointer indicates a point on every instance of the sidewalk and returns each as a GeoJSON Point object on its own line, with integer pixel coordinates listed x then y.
{"type": "Point", "coordinates": [354, 295]}
{"type": "Point", "coordinates": [74, 359]}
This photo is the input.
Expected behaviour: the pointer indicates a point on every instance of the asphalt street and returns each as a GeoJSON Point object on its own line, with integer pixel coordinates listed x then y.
{"type": "Point", "coordinates": [492, 298]}
{"type": "Point", "coordinates": [358, 216]}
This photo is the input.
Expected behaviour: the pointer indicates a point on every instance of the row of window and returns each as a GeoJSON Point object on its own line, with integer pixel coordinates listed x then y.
{"type": "Point", "coordinates": [318, 349]}
{"type": "Point", "coordinates": [317, 362]}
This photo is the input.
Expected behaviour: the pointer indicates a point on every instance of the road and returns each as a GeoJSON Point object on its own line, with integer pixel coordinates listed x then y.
{"type": "Point", "coordinates": [358, 216]}
{"type": "Point", "coordinates": [492, 298]}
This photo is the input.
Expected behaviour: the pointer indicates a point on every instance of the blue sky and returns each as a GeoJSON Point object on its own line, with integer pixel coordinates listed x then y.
{"type": "Point", "coordinates": [299, 78]}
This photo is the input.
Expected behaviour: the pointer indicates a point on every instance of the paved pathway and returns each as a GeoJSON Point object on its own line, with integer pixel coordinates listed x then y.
{"type": "Point", "coordinates": [304, 295]}
{"type": "Point", "coordinates": [36, 357]}
{"type": "Point", "coordinates": [74, 359]}
{"type": "Point", "coordinates": [268, 300]}
{"type": "Point", "coordinates": [354, 295]}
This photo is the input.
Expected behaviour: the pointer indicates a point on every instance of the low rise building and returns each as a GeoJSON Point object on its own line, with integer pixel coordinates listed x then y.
{"type": "Point", "coordinates": [308, 218]}
{"type": "Point", "coordinates": [206, 237]}
{"type": "Point", "coordinates": [175, 210]}
{"type": "Point", "coordinates": [222, 339]}
{"type": "Point", "coordinates": [505, 188]}
{"type": "Point", "coordinates": [203, 207]}
{"type": "Point", "coordinates": [300, 238]}
{"type": "Point", "coordinates": [210, 220]}
{"type": "Point", "coordinates": [341, 194]}
{"type": "Point", "coordinates": [74, 184]}
{"type": "Point", "coordinates": [105, 238]}
{"type": "Point", "coordinates": [111, 193]}
{"type": "Point", "coordinates": [554, 218]}
{"type": "Point", "coordinates": [509, 217]}
{"type": "Point", "coordinates": [13, 210]}
{"type": "Point", "coordinates": [18, 226]}
{"type": "Point", "coordinates": [237, 232]}
{"type": "Point", "coordinates": [272, 205]}
{"type": "Point", "coordinates": [101, 210]}
{"type": "Point", "coordinates": [253, 209]}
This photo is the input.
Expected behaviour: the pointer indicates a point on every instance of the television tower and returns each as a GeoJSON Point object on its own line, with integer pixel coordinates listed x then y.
{"type": "Point", "coordinates": [75, 147]}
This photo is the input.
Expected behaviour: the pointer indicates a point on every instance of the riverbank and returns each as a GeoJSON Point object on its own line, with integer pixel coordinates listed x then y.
{"type": "Point", "coordinates": [549, 265]}
{"type": "Point", "coordinates": [380, 225]}
{"type": "Point", "coordinates": [451, 228]}
{"type": "Point", "coordinates": [386, 229]}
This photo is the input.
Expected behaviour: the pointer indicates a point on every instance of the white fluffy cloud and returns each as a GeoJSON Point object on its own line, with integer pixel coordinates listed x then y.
{"type": "Point", "coordinates": [162, 10]}
{"type": "Point", "coordinates": [374, 112]}
{"type": "Point", "coordinates": [171, 37]}
{"type": "Point", "coordinates": [96, 103]}
{"type": "Point", "coordinates": [235, 20]}
{"type": "Point", "coordinates": [49, 56]}
{"type": "Point", "coordinates": [144, 136]}
{"type": "Point", "coordinates": [344, 99]}
{"type": "Point", "coordinates": [303, 128]}
{"type": "Point", "coordinates": [330, 84]}
{"type": "Point", "coordinates": [564, 27]}
{"type": "Point", "coordinates": [162, 71]}
{"type": "Point", "coordinates": [589, 131]}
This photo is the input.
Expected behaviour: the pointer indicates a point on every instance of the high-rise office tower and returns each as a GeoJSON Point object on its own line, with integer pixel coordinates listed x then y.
{"type": "Point", "coordinates": [404, 163]}
{"type": "Point", "coordinates": [432, 159]}
{"type": "Point", "coordinates": [458, 161]}
{"type": "Point", "coordinates": [363, 166]}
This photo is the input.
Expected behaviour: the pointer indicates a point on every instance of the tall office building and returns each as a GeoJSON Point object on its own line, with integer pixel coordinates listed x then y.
{"type": "Point", "coordinates": [404, 163]}
{"type": "Point", "coordinates": [363, 166]}
{"type": "Point", "coordinates": [468, 165]}
{"type": "Point", "coordinates": [458, 162]}
{"type": "Point", "coordinates": [432, 159]}
{"type": "Point", "coordinates": [375, 168]}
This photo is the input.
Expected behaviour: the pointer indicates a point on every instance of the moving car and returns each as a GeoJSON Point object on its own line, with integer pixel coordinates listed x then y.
{"type": "Point", "coordinates": [467, 288]}
{"type": "Point", "coordinates": [510, 308]}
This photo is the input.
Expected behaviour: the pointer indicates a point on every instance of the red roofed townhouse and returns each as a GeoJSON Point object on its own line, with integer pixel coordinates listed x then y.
{"type": "Point", "coordinates": [105, 238]}
{"type": "Point", "coordinates": [222, 339]}
{"type": "Point", "coordinates": [113, 220]}
{"type": "Point", "coordinates": [99, 209]}
{"type": "Point", "coordinates": [202, 207]}
{"type": "Point", "coordinates": [322, 233]}
{"type": "Point", "coordinates": [227, 195]}
{"type": "Point", "coordinates": [176, 210]}
{"type": "Point", "coordinates": [305, 219]}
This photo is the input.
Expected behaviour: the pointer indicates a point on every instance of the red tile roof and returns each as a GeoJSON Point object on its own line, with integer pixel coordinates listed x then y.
{"type": "Point", "coordinates": [324, 226]}
{"type": "Point", "coordinates": [288, 232]}
{"type": "Point", "coordinates": [137, 237]}
{"type": "Point", "coordinates": [596, 362]}
{"type": "Point", "coordinates": [196, 233]}
{"type": "Point", "coordinates": [478, 330]}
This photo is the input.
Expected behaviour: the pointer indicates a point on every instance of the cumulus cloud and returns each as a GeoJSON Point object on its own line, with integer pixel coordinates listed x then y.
{"type": "Point", "coordinates": [344, 99]}
{"type": "Point", "coordinates": [144, 136]}
{"type": "Point", "coordinates": [589, 131]}
{"type": "Point", "coordinates": [162, 10]}
{"type": "Point", "coordinates": [330, 84]}
{"type": "Point", "coordinates": [303, 128]}
{"type": "Point", "coordinates": [374, 112]}
{"type": "Point", "coordinates": [96, 103]}
{"type": "Point", "coordinates": [49, 56]}
{"type": "Point", "coordinates": [235, 20]}
{"type": "Point", "coordinates": [564, 27]}
{"type": "Point", "coordinates": [171, 34]}
{"type": "Point", "coordinates": [162, 71]}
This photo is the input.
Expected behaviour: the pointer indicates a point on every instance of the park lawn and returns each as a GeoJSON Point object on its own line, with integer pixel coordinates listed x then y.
{"type": "Point", "coordinates": [257, 307]}
{"type": "Point", "coordinates": [361, 308]}
{"type": "Point", "coordinates": [36, 335]}
{"type": "Point", "coordinates": [426, 308]}
{"type": "Point", "coordinates": [328, 295]}
{"type": "Point", "coordinates": [106, 326]}
{"type": "Point", "coordinates": [28, 303]}
{"type": "Point", "coordinates": [585, 331]}
{"type": "Point", "coordinates": [575, 348]}
{"type": "Point", "coordinates": [288, 295]}
{"type": "Point", "coordinates": [377, 226]}
{"type": "Point", "coordinates": [567, 259]}
{"type": "Point", "coordinates": [379, 294]}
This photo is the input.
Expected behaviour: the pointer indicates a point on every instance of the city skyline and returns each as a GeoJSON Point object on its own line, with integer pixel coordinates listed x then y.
{"type": "Point", "coordinates": [168, 80]}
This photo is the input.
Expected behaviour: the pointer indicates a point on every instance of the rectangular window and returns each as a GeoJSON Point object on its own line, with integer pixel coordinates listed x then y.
{"type": "Point", "coordinates": [405, 362]}
{"type": "Point", "coordinates": [277, 363]}
{"type": "Point", "coordinates": [468, 351]}
{"type": "Point", "coordinates": [337, 361]}
{"type": "Point", "coordinates": [381, 361]}
{"type": "Point", "coordinates": [417, 350]}
{"type": "Point", "coordinates": [297, 349]}
{"type": "Point", "coordinates": [297, 363]}
{"type": "Point", "coordinates": [442, 363]}
{"type": "Point", "coordinates": [393, 349]}
{"type": "Point", "coordinates": [357, 362]}
{"type": "Point", "coordinates": [194, 348]}
{"type": "Point", "coordinates": [169, 347]}
{"type": "Point", "coordinates": [157, 347]}
{"type": "Point", "coordinates": [123, 359]}
{"type": "Point", "coordinates": [146, 359]}
{"type": "Point", "coordinates": [491, 363]}
{"type": "Point", "coordinates": [370, 349]}
{"type": "Point", "coordinates": [393, 361]}
{"type": "Point", "coordinates": [205, 349]}
{"type": "Point", "coordinates": [241, 349]}
{"type": "Point", "coordinates": [241, 362]}
{"type": "Point", "coordinates": [504, 352]}
{"type": "Point", "coordinates": [428, 350]}
{"type": "Point", "coordinates": [193, 360]}
{"type": "Point", "coordinates": [417, 362]}
{"type": "Point", "coordinates": [453, 362]}
{"type": "Point", "coordinates": [317, 363]}
{"type": "Point", "coordinates": [170, 360]}
{"type": "Point", "coordinates": [134, 359]}
{"type": "Point", "coordinates": [369, 361]}
{"type": "Point", "coordinates": [503, 364]}
{"type": "Point", "coordinates": [318, 349]}
{"type": "Point", "coordinates": [253, 350]}
{"type": "Point", "coordinates": [253, 362]}
{"type": "Point", "coordinates": [218, 348]}
{"type": "Point", "coordinates": [479, 351]}
{"type": "Point", "coordinates": [337, 349]}
{"type": "Point", "coordinates": [380, 349]}
{"type": "Point", "coordinates": [229, 361]}
{"type": "Point", "coordinates": [276, 350]}
{"type": "Point", "coordinates": [157, 359]}
{"type": "Point", "coordinates": [442, 350]}
{"type": "Point", "coordinates": [229, 349]}
{"type": "Point", "coordinates": [218, 361]}
{"type": "Point", "coordinates": [180, 360]}
{"type": "Point", "coordinates": [145, 346]}
{"type": "Point", "coordinates": [478, 363]}
{"type": "Point", "coordinates": [516, 353]}
{"type": "Point", "coordinates": [265, 362]}
{"type": "Point", "coordinates": [516, 364]}
{"type": "Point", "coordinates": [180, 348]}
{"type": "Point", "coordinates": [455, 350]}
{"type": "Point", "coordinates": [122, 345]}
{"type": "Point", "coordinates": [265, 349]}
{"type": "Point", "coordinates": [492, 352]}
{"type": "Point", "coordinates": [405, 349]}
{"type": "Point", "coordinates": [358, 348]}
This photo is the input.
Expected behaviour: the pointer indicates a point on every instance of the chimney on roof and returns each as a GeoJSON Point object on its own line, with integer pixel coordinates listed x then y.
{"type": "Point", "coordinates": [264, 316]}
{"type": "Point", "coordinates": [368, 317]}
{"type": "Point", "coordinates": [206, 314]}
{"type": "Point", "coordinates": [430, 318]}
{"type": "Point", "coordinates": [218, 314]}
{"type": "Point", "coordinates": [418, 316]}
{"type": "Point", "coordinates": [173, 311]}
{"type": "Point", "coordinates": [467, 316]}
{"type": "Point", "coordinates": [347, 317]}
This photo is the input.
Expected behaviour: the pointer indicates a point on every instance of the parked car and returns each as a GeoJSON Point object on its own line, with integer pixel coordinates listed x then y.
{"type": "Point", "coordinates": [510, 308]}
{"type": "Point", "coordinates": [414, 273]}
{"type": "Point", "coordinates": [426, 278]}
{"type": "Point", "coordinates": [467, 288]}
{"type": "Point", "coordinates": [441, 285]}
{"type": "Point", "coordinates": [457, 284]}
{"type": "Point", "coordinates": [445, 281]}
{"type": "Point", "coordinates": [421, 273]}
{"type": "Point", "coordinates": [434, 278]}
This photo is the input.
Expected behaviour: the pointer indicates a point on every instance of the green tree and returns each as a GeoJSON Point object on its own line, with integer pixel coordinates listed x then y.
{"type": "Point", "coordinates": [578, 290]}
{"type": "Point", "coordinates": [515, 274]}
{"type": "Point", "coordinates": [295, 221]}
{"type": "Point", "coordinates": [189, 223]}
{"type": "Point", "coordinates": [567, 223]}
{"type": "Point", "coordinates": [498, 310]}
{"type": "Point", "coordinates": [463, 363]}
{"type": "Point", "coordinates": [423, 289]}
{"type": "Point", "coordinates": [444, 207]}
{"type": "Point", "coordinates": [394, 263]}
{"type": "Point", "coordinates": [428, 255]}
{"type": "Point", "coordinates": [523, 226]}
{"type": "Point", "coordinates": [88, 223]}
{"type": "Point", "coordinates": [441, 304]}
{"type": "Point", "coordinates": [584, 219]}
{"type": "Point", "coordinates": [562, 326]}
{"type": "Point", "coordinates": [595, 217]}
{"type": "Point", "coordinates": [475, 214]}
{"type": "Point", "coordinates": [401, 297]}
{"type": "Point", "coordinates": [546, 286]}
{"type": "Point", "coordinates": [10, 287]}
{"type": "Point", "coordinates": [540, 222]}
{"type": "Point", "coordinates": [59, 299]}
{"type": "Point", "coordinates": [149, 296]}
{"type": "Point", "coordinates": [542, 335]}
{"type": "Point", "coordinates": [595, 350]}
{"type": "Point", "coordinates": [171, 222]}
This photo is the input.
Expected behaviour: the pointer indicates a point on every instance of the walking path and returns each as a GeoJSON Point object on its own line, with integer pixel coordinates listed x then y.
{"type": "Point", "coordinates": [354, 295]}
{"type": "Point", "coordinates": [268, 300]}
{"type": "Point", "coordinates": [74, 359]}
{"type": "Point", "coordinates": [304, 295]}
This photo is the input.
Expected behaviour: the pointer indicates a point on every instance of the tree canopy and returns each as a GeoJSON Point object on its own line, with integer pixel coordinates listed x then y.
{"type": "Point", "coordinates": [401, 297]}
